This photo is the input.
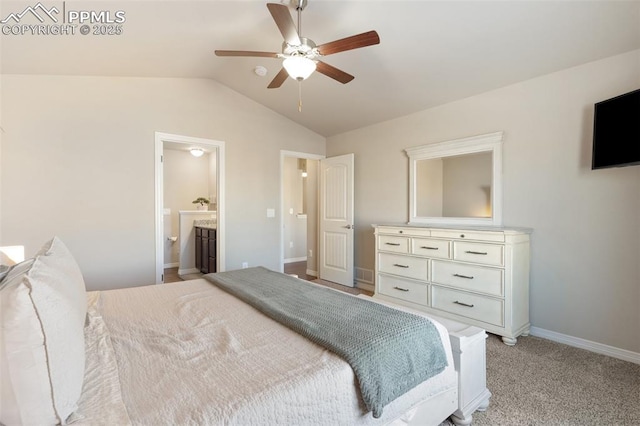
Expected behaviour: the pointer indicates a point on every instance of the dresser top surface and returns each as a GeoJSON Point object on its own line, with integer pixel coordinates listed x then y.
{"type": "Point", "coordinates": [521, 230]}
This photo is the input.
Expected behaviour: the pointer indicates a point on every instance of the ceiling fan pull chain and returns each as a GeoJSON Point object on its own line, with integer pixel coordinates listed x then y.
{"type": "Point", "coordinates": [300, 96]}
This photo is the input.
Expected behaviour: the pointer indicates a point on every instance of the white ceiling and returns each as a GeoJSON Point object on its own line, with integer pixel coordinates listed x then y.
{"type": "Point", "coordinates": [431, 52]}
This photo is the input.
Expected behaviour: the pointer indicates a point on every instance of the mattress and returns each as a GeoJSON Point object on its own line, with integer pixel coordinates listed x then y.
{"type": "Point", "coordinates": [190, 353]}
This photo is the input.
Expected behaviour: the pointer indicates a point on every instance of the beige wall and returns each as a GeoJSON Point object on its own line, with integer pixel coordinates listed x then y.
{"type": "Point", "coordinates": [586, 242]}
{"type": "Point", "coordinates": [78, 162]}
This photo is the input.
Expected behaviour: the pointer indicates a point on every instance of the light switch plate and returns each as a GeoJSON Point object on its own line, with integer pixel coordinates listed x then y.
{"type": "Point", "coordinates": [271, 212]}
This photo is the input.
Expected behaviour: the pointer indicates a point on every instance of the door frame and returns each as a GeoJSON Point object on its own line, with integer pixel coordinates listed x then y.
{"type": "Point", "coordinates": [283, 155]}
{"type": "Point", "coordinates": [160, 139]}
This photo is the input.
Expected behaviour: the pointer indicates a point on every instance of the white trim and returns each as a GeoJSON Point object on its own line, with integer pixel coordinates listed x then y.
{"type": "Point", "coordinates": [295, 259]}
{"type": "Point", "coordinates": [188, 271]}
{"type": "Point", "coordinates": [160, 139]}
{"type": "Point", "coordinates": [311, 272]}
{"type": "Point", "coordinates": [295, 154]}
{"type": "Point", "coordinates": [171, 265]}
{"type": "Point", "coordinates": [577, 342]}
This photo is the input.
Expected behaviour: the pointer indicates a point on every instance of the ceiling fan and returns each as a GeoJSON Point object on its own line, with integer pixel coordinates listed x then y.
{"type": "Point", "coordinates": [301, 55]}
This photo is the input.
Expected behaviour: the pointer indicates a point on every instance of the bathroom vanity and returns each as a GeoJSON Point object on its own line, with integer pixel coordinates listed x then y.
{"type": "Point", "coordinates": [205, 246]}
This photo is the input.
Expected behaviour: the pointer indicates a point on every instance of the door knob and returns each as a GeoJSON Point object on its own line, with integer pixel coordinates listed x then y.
{"type": "Point", "coordinates": [349, 226]}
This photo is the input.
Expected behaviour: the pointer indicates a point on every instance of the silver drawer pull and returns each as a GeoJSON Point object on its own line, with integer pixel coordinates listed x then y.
{"type": "Point", "coordinates": [476, 252]}
{"type": "Point", "coordinates": [401, 289]}
{"type": "Point", "coordinates": [429, 248]}
{"type": "Point", "coordinates": [463, 276]}
{"type": "Point", "coordinates": [400, 266]}
{"type": "Point", "coordinates": [463, 304]}
{"type": "Point", "coordinates": [392, 244]}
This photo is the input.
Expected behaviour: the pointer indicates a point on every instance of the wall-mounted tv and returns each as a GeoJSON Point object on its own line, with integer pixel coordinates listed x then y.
{"type": "Point", "coordinates": [616, 132]}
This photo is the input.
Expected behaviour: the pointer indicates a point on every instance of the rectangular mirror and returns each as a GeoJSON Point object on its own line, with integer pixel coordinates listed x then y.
{"type": "Point", "coordinates": [457, 182]}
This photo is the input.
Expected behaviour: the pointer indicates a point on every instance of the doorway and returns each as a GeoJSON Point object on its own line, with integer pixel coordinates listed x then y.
{"type": "Point", "coordinates": [299, 212]}
{"type": "Point", "coordinates": [215, 151]}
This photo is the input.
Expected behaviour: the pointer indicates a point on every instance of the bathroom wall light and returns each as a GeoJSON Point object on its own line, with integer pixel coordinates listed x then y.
{"type": "Point", "coordinates": [302, 166]}
{"type": "Point", "coordinates": [196, 152]}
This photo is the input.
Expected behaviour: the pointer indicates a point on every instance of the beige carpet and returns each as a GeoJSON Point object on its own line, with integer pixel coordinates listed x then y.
{"type": "Point", "coordinates": [540, 382]}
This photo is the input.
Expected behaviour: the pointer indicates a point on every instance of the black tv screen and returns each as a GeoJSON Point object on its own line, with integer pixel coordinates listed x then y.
{"type": "Point", "coordinates": [616, 132]}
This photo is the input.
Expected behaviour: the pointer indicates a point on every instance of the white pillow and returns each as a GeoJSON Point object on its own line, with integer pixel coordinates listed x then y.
{"type": "Point", "coordinates": [4, 270]}
{"type": "Point", "coordinates": [43, 313]}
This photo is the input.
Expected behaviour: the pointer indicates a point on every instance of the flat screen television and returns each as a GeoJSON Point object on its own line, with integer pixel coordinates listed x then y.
{"type": "Point", "coordinates": [616, 132]}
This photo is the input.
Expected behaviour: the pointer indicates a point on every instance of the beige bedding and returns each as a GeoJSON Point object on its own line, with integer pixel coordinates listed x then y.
{"type": "Point", "coordinates": [189, 353]}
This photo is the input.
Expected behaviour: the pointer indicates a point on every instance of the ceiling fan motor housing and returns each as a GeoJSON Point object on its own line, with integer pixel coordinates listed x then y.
{"type": "Point", "coordinates": [299, 4]}
{"type": "Point", "coordinates": [307, 48]}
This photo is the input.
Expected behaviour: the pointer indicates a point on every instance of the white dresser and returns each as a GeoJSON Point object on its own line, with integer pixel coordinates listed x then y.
{"type": "Point", "coordinates": [474, 275]}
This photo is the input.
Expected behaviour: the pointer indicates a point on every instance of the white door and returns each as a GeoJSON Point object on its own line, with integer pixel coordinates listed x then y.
{"type": "Point", "coordinates": [336, 220]}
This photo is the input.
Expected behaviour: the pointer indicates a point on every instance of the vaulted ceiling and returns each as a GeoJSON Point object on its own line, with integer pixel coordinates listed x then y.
{"type": "Point", "coordinates": [431, 52]}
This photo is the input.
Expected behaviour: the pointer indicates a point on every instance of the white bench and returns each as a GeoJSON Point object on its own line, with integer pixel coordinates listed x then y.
{"type": "Point", "coordinates": [468, 344]}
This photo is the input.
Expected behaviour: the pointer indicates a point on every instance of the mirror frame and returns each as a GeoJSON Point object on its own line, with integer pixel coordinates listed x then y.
{"type": "Point", "coordinates": [491, 142]}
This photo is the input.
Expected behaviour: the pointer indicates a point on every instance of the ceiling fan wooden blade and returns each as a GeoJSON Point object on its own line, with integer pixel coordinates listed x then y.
{"type": "Point", "coordinates": [246, 53]}
{"type": "Point", "coordinates": [354, 42]}
{"type": "Point", "coordinates": [278, 79]}
{"type": "Point", "coordinates": [285, 24]}
{"type": "Point", "coordinates": [333, 72]}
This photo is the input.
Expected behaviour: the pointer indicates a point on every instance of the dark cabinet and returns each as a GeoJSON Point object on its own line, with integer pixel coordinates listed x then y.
{"type": "Point", "coordinates": [205, 250]}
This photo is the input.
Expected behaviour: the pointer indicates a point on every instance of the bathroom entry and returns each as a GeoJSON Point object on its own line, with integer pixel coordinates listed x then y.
{"type": "Point", "coordinates": [299, 188]}
{"type": "Point", "coordinates": [187, 169]}
{"type": "Point", "coordinates": [187, 178]}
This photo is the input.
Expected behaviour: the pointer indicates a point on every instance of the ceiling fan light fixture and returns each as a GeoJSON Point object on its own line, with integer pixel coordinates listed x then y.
{"type": "Point", "coordinates": [299, 67]}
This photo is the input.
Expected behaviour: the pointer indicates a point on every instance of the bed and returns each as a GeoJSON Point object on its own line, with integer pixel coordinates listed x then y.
{"type": "Point", "coordinates": [195, 353]}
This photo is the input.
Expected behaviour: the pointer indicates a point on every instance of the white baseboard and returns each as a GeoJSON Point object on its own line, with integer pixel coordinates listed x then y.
{"type": "Point", "coordinates": [188, 271]}
{"type": "Point", "coordinates": [171, 265]}
{"type": "Point", "coordinates": [311, 272]}
{"type": "Point", "coordinates": [577, 342]}
{"type": "Point", "coordinates": [295, 259]}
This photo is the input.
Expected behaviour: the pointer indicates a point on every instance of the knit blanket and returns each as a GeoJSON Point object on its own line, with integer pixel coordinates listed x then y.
{"type": "Point", "coordinates": [390, 351]}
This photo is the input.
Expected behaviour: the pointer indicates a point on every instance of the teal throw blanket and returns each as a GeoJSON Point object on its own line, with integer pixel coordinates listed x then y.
{"type": "Point", "coordinates": [390, 351]}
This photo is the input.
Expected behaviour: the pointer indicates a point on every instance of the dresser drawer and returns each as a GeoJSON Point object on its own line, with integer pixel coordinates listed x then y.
{"type": "Point", "coordinates": [472, 306]}
{"type": "Point", "coordinates": [431, 248]}
{"type": "Point", "coordinates": [421, 232]}
{"type": "Point", "coordinates": [469, 235]}
{"type": "Point", "coordinates": [487, 254]}
{"type": "Point", "coordinates": [399, 288]}
{"type": "Point", "coordinates": [469, 277]}
{"type": "Point", "coordinates": [393, 243]}
{"type": "Point", "coordinates": [412, 267]}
